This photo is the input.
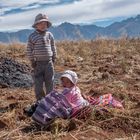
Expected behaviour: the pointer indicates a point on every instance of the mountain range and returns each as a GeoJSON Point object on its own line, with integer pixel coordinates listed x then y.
{"type": "Point", "coordinates": [68, 31]}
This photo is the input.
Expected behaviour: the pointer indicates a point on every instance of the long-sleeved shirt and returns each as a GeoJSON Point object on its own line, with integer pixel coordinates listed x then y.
{"type": "Point", "coordinates": [41, 46]}
{"type": "Point", "coordinates": [75, 98]}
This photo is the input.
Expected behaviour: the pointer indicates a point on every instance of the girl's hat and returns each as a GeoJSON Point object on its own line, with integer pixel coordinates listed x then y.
{"type": "Point", "coordinates": [71, 75]}
{"type": "Point", "coordinates": [41, 17]}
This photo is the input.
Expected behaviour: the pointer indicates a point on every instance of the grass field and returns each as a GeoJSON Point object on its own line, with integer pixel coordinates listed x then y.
{"type": "Point", "coordinates": [103, 66]}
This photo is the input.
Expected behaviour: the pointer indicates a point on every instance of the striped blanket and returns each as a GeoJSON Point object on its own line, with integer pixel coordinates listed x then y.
{"type": "Point", "coordinates": [56, 105]}
{"type": "Point", "coordinates": [105, 100]}
{"type": "Point", "coordinates": [52, 106]}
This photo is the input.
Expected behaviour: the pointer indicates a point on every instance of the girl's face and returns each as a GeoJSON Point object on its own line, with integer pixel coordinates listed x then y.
{"type": "Point", "coordinates": [41, 26]}
{"type": "Point", "coordinates": [66, 82]}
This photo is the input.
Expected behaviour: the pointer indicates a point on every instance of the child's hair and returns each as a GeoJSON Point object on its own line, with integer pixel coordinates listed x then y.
{"type": "Point", "coordinates": [71, 75]}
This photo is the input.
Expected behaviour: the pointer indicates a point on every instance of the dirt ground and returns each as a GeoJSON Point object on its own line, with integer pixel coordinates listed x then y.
{"type": "Point", "coordinates": [115, 71]}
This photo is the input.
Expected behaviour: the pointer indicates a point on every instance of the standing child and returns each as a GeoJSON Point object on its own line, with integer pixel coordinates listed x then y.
{"type": "Point", "coordinates": [41, 51]}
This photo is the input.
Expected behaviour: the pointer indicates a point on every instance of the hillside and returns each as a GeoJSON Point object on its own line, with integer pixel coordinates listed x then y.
{"type": "Point", "coordinates": [68, 31]}
{"type": "Point", "coordinates": [103, 66]}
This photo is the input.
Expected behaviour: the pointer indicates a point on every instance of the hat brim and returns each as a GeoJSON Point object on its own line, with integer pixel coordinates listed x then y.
{"type": "Point", "coordinates": [48, 23]}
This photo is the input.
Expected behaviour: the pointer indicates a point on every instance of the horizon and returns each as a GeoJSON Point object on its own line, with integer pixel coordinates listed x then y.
{"type": "Point", "coordinates": [82, 24]}
{"type": "Point", "coordinates": [15, 16]}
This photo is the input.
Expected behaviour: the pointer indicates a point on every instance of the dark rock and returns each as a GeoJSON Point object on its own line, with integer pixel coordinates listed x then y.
{"type": "Point", "coordinates": [2, 125]}
{"type": "Point", "coordinates": [14, 74]}
{"type": "Point", "coordinates": [105, 75]}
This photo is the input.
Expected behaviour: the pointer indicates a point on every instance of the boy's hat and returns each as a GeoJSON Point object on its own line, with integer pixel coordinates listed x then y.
{"type": "Point", "coordinates": [41, 17]}
{"type": "Point", "coordinates": [71, 75]}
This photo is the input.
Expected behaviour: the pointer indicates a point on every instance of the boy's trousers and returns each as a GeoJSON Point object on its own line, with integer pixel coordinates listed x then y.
{"type": "Point", "coordinates": [43, 77]}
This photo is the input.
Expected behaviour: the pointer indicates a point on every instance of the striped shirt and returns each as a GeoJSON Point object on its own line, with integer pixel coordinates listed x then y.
{"type": "Point", "coordinates": [41, 46]}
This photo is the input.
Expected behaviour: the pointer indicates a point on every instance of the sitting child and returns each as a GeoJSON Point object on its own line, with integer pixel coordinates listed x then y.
{"type": "Point", "coordinates": [62, 105]}
{"type": "Point", "coordinates": [71, 91]}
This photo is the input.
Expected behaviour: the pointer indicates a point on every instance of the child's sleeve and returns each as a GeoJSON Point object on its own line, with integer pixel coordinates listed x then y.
{"type": "Point", "coordinates": [53, 46]}
{"type": "Point", "coordinates": [29, 50]}
{"type": "Point", "coordinates": [77, 99]}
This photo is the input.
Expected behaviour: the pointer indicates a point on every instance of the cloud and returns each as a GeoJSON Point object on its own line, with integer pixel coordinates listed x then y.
{"type": "Point", "coordinates": [30, 7]}
{"type": "Point", "coordinates": [21, 3]}
{"type": "Point", "coordinates": [87, 11]}
{"type": "Point", "coordinates": [8, 6]}
{"type": "Point", "coordinates": [80, 11]}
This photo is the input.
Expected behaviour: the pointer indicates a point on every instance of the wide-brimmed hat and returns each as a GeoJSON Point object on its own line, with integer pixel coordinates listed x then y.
{"type": "Point", "coordinates": [71, 75]}
{"type": "Point", "coordinates": [41, 17]}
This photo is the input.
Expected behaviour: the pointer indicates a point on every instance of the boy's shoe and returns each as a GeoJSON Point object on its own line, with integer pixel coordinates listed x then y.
{"type": "Point", "coordinates": [30, 110]}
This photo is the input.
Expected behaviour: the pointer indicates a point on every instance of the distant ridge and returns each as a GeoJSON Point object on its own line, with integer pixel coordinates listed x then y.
{"type": "Point", "coordinates": [68, 31]}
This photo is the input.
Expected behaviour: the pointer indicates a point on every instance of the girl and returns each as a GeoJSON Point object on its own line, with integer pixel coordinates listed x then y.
{"type": "Point", "coordinates": [71, 91]}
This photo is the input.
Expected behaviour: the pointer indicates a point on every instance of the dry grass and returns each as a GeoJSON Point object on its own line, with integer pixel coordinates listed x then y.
{"type": "Point", "coordinates": [104, 66]}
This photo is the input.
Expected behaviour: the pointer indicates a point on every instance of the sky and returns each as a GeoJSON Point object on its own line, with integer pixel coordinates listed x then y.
{"type": "Point", "coordinates": [20, 14]}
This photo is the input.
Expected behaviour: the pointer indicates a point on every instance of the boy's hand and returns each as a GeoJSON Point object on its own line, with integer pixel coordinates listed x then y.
{"type": "Point", "coordinates": [53, 59]}
{"type": "Point", "coordinates": [33, 64]}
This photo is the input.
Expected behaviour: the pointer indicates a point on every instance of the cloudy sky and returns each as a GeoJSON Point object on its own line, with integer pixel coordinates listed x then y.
{"type": "Point", "coordinates": [20, 14]}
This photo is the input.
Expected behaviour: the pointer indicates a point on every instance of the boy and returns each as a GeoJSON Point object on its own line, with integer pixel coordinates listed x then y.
{"type": "Point", "coordinates": [41, 51]}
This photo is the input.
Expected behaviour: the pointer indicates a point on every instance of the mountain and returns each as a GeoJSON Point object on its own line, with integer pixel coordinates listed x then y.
{"type": "Point", "coordinates": [68, 31]}
{"type": "Point", "coordinates": [20, 36]}
{"type": "Point", "coordinates": [130, 27]}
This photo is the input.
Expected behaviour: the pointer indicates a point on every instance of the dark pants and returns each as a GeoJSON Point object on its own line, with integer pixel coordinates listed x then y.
{"type": "Point", "coordinates": [43, 78]}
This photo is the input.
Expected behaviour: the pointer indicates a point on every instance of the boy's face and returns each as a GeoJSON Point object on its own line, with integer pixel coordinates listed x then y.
{"type": "Point", "coordinates": [66, 82]}
{"type": "Point", "coordinates": [41, 26]}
